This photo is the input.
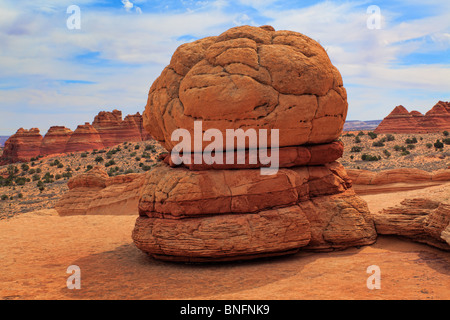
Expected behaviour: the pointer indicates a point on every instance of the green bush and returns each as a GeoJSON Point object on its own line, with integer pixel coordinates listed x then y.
{"type": "Point", "coordinates": [445, 133]}
{"type": "Point", "coordinates": [368, 157]}
{"type": "Point", "coordinates": [390, 137]}
{"type": "Point", "coordinates": [4, 197]}
{"type": "Point", "coordinates": [405, 152]}
{"type": "Point", "coordinates": [429, 145]}
{"type": "Point", "coordinates": [84, 155]}
{"type": "Point", "coordinates": [438, 145]}
{"type": "Point", "coordinates": [410, 146]}
{"type": "Point", "coordinates": [361, 133]}
{"type": "Point", "coordinates": [387, 153]}
{"type": "Point", "coordinates": [411, 141]}
{"type": "Point", "coordinates": [372, 135]}
{"type": "Point", "coordinates": [357, 140]}
{"type": "Point", "coordinates": [446, 141]}
{"type": "Point", "coordinates": [356, 149]}
{"type": "Point", "coordinates": [378, 143]}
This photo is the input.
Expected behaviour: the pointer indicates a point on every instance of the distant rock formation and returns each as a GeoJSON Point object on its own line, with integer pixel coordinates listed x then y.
{"type": "Point", "coordinates": [55, 140]}
{"type": "Point", "coordinates": [108, 129]}
{"type": "Point", "coordinates": [22, 146]}
{"type": "Point", "coordinates": [94, 192]}
{"type": "Point", "coordinates": [402, 121]}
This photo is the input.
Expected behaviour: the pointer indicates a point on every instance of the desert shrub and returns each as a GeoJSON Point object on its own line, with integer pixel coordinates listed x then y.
{"type": "Point", "coordinates": [41, 188]}
{"type": "Point", "coordinates": [31, 171]}
{"type": "Point", "coordinates": [357, 140]}
{"type": "Point", "coordinates": [48, 177]}
{"type": "Point", "coordinates": [89, 167]}
{"type": "Point", "coordinates": [38, 170]}
{"type": "Point", "coordinates": [438, 145]}
{"type": "Point", "coordinates": [4, 197]}
{"type": "Point", "coordinates": [356, 149]}
{"type": "Point", "coordinates": [138, 158]}
{"type": "Point", "coordinates": [67, 175]}
{"type": "Point", "coordinates": [405, 152]}
{"type": "Point", "coordinates": [98, 159]}
{"type": "Point", "coordinates": [372, 135]}
{"type": "Point", "coordinates": [368, 157]}
{"type": "Point", "coordinates": [351, 157]}
{"type": "Point", "coordinates": [429, 145]}
{"type": "Point", "coordinates": [150, 147]}
{"type": "Point", "coordinates": [60, 165]}
{"type": "Point", "coordinates": [410, 146]}
{"type": "Point", "coordinates": [58, 176]}
{"type": "Point", "coordinates": [146, 168]}
{"type": "Point", "coordinates": [133, 154]}
{"type": "Point", "coordinates": [25, 167]}
{"type": "Point", "coordinates": [387, 153]}
{"type": "Point", "coordinates": [445, 133]}
{"type": "Point", "coordinates": [446, 141]}
{"type": "Point", "coordinates": [390, 137]}
{"type": "Point", "coordinates": [349, 135]}
{"type": "Point", "coordinates": [110, 163]}
{"type": "Point", "coordinates": [361, 133]}
{"type": "Point", "coordinates": [136, 147]}
{"type": "Point", "coordinates": [129, 171]}
{"type": "Point", "coordinates": [145, 155]}
{"type": "Point", "coordinates": [20, 181]}
{"type": "Point", "coordinates": [378, 143]}
{"type": "Point", "coordinates": [84, 155]}
{"type": "Point", "coordinates": [411, 141]}
{"type": "Point", "coordinates": [20, 195]}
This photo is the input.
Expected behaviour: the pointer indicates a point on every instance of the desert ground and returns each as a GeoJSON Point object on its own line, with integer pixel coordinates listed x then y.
{"type": "Point", "coordinates": [38, 248]}
{"type": "Point", "coordinates": [38, 245]}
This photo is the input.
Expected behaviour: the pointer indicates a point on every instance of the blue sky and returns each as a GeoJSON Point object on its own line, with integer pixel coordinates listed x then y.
{"type": "Point", "coordinates": [50, 75]}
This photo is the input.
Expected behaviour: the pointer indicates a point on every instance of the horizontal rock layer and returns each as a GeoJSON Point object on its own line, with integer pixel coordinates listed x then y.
{"type": "Point", "coordinates": [287, 157]}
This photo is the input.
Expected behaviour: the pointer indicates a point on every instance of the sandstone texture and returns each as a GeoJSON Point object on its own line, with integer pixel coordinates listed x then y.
{"type": "Point", "coordinates": [107, 130]}
{"type": "Point", "coordinates": [366, 177]}
{"type": "Point", "coordinates": [22, 146]}
{"type": "Point", "coordinates": [250, 78]}
{"type": "Point", "coordinates": [246, 78]}
{"type": "Point", "coordinates": [423, 219]}
{"type": "Point", "coordinates": [55, 140]}
{"type": "Point", "coordinates": [95, 193]}
{"type": "Point", "coordinates": [401, 121]}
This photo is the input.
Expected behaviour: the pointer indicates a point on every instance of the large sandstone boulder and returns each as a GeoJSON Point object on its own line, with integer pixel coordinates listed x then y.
{"type": "Point", "coordinates": [250, 77]}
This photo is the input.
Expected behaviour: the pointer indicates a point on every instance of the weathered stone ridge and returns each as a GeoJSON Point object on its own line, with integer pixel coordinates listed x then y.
{"type": "Point", "coordinates": [107, 129]}
{"type": "Point", "coordinates": [401, 121]}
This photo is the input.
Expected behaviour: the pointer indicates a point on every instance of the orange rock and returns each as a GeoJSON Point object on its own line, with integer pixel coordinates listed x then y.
{"type": "Point", "coordinates": [402, 121]}
{"type": "Point", "coordinates": [55, 140]}
{"type": "Point", "coordinates": [84, 138]}
{"type": "Point", "coordinates": [249, 77]}
{"type": "Point", "coordinates": [22, 146]}
{"type": "Point", "coordinates": [96, 193]}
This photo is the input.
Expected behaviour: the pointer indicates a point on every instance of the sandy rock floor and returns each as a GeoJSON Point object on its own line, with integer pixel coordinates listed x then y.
{"type": "Point", "coordinates": [38, 247]}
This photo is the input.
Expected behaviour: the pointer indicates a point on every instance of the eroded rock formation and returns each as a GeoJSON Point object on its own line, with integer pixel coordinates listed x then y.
{"type": "Point", "coordinates": [402, 121]}
{"type": "Point", "coordinates": [424, 219]}
{"type": "Point", "coordinates": [22, 146]}
{"type": "Point", "coordinates": [250, 78]}
{"type": "Point", "coordinates": [107, 130]}
{"type": "Point", "coordinates": [96, 193]}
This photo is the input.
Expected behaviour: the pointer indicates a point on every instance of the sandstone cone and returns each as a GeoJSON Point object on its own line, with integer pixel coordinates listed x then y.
{"type": "Point", "coordinates": [250, 78]}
